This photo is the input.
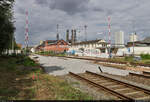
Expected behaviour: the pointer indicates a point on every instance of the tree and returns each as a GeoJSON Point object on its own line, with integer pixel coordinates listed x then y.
{"type": "Point", "coordinates": [6, 24]}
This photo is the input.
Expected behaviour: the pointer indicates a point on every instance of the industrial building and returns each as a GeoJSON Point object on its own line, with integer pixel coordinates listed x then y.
{"type": "Point", "coordinates": [57, 46]}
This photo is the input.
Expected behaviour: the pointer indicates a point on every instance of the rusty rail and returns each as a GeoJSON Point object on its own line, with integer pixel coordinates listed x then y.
{"type": "Point", "coordinates": [105, 60]}
{"type": "Point", "coordinates": [144, 72]}
{"type": "Point", "coordinates": [121, 82]}
{"type": "Point", "coordinates": [102, 87]}
{"type": "Point", "coordinates": [139, 75]}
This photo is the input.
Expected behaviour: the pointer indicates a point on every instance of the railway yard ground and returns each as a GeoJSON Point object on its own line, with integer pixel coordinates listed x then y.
{"type": "Point", "coordinates": [71, 78]}
{"type": "Point", "coordinates": [63, 67]}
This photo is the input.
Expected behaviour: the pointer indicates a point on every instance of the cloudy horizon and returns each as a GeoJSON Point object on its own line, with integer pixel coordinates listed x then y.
{"type": "Point", "coordinates": [44, 15]}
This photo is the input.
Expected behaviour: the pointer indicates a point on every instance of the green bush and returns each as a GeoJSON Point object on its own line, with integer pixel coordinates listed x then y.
{"type": "Point", "coordinates": [145, 56]}
{"type": "Point", "coordinates": [28, 62]}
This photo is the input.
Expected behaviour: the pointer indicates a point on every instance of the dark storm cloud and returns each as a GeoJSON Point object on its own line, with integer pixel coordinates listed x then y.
{"type": "Point", "coordinates": [68, 6]}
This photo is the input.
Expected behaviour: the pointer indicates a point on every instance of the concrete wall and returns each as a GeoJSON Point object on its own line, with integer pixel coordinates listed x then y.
{"type": "Point", "coordinates": [9, 52]}
{"type": "Point", "coordinates": [137, 50]}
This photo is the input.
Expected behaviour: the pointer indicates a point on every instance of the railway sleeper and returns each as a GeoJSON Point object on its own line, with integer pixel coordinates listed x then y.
{"type": "Point", "coordinates": [133, 92]}
{"type": "Point", "coordinates": [113, 87]}
{"type": "Point", "coordinates": [139, 96]}
{"type": "Point", "coordinates": [121, 89]}
{"type": "Point", "coordinates": [102, 81]}
{"type": "Point", "coordinates": [143, 98]}
{"type": "Point", "coordinates": [108, 83]}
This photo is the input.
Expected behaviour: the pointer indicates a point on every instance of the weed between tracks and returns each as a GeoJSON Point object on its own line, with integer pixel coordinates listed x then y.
{"type": "Point", "coordinates": [17, 82]}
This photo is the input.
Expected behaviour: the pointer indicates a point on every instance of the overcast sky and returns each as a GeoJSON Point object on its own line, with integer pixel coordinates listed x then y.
{"type": "Point", "coordinates": [44, 15]}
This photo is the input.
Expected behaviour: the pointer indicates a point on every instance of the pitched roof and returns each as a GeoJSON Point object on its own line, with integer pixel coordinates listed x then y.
{"type": "Point", "coordinates": [87, 42]}
{"type": "Point", "coordinates": [51, 41]}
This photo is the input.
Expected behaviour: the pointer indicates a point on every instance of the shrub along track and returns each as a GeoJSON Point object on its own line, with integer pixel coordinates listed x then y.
{"type": "Point", "coordinates": [117, 88]}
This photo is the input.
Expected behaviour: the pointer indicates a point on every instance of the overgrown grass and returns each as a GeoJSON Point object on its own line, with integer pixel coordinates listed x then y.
{"type": "Point", "coordinates": [129, 58]}
{"type": "Point", "coordinates": [22, 79]}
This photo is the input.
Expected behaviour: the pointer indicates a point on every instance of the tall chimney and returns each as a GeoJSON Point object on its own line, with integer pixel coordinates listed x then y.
{"type": "Point", "coordinates": [75, 36]}
{"type": "Point", "coordinates": [57, 36]}
{"type": "Point", "coordinates": [67, 35]}
{"type": "Point", "coordinates": [72, 36]}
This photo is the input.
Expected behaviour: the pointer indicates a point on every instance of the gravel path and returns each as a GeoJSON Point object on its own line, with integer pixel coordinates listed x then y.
{"type": "Point", "coordinates": [61, 66]}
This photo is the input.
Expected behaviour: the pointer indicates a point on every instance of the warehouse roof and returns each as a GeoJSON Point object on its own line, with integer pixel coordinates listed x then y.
{"type": "Point", "coordinates": [90, 41]}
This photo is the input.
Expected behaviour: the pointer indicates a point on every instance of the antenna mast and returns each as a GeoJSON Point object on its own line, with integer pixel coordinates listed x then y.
{"type": "Point", "coordinates": [85, 32]}
{"type": "Point", "coordinates": [26, 32]}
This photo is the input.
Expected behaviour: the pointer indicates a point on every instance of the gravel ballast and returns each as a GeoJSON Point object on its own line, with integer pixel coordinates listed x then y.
{"type": "Point", "coordinates": [61, 66]}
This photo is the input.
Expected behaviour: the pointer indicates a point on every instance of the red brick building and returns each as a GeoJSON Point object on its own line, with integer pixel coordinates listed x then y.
{"type": "Point", "coordinates": [56, 46]}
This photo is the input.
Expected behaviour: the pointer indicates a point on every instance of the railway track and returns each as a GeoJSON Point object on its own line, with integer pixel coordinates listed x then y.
{"type": "Point", "coordinates": [114, 62]}
{"type": "Point", "coordinates": [117, 88]}
{"type": "Point", "coordinates": [144, 74]}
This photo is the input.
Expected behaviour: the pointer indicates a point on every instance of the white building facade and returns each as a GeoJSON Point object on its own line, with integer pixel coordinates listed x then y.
{"type": "Point", "coordinates": [119, 39]}
{"type": "Point", "coordinates": [133, 37]}
{"type": "Point", "coordinates": [137, 51]}
{"type": "Point", "coordinates": [95, 48]}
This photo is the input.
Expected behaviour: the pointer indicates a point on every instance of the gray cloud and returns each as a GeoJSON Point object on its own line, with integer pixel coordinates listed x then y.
{"type": "Point", "coordinates": [44, 15]}
{"type": "Point", "coordinates": [68, 6]}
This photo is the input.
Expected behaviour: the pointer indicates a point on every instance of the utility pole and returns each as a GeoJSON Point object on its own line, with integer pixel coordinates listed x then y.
{"type": "Point", "coordinates": [109, 34]}
{"type": "Point", "coordinates": [12, 43]}
{"type": "Point", "coordinates": [85, 32]}
{"type": "Point", "coordinates": [133, 44]}
{"type": "Point", "coordinates": [133, 36]}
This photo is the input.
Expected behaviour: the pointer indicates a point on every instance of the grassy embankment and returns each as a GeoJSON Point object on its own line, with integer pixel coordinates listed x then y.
{"type": "Point", "coordinates": [51, 53]}
{"type": "Point", "coordinates": [145, 59]}
{"type": "Point", "coordinates": [17, 82]}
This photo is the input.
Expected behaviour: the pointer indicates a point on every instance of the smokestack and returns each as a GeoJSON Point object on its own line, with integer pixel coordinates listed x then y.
{"type": "Point", "coordinates": [75, 36]}
{"type": "Point", "coordinates": [67, 35]}
{"type": "Point", "coordinates": [57, 36]}
{"type": "Point", "coordinates": [72, 36]}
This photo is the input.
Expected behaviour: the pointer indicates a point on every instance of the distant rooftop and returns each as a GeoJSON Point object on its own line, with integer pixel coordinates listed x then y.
{"type": "Point", "coordinates": [90, 41]}
{"type": "Point", "coordinates": [146, 40]}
